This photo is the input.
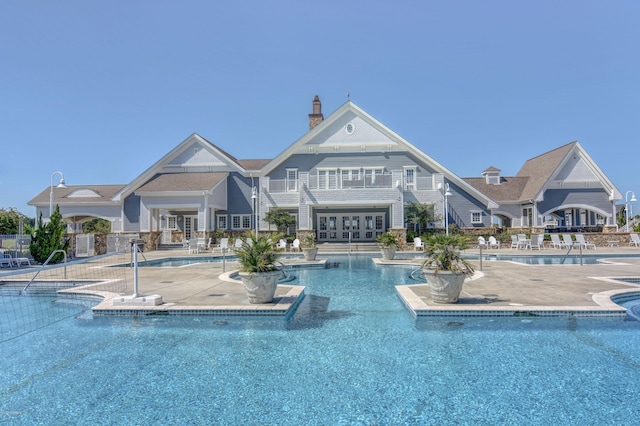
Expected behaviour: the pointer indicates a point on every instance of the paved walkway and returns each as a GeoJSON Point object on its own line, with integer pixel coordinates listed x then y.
{"type": "Point", "coordinates": [498, 288]}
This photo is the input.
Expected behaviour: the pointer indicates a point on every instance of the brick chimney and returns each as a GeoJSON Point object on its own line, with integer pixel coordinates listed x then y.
{"type": "Point", "coordinates": [316, 117]}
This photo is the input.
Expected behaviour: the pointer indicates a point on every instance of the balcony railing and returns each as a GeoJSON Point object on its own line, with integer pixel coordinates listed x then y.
{"type": "Point", "coordinates": [338, 182]}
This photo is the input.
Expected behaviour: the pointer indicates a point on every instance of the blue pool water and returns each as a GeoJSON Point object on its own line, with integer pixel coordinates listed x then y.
{"type": "Point", "coordinates": [351, 354]}
{"type": "Point", "coordinates": [556, 259]}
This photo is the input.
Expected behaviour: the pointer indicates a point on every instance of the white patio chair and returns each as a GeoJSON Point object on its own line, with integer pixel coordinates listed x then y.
{"type": "Point", "coordinates": [6, 260]}
{"type": "Point", "coordinates": [295, 245]}
{"type": "Point", "coordinates": [493, 242]}
{"type": "Point", "coordinates": [209, 243]}
{"type": "Point", "coordinates": [482, 243]}
{"type": "Point", "coordinates": [635, 240]}
{"type": "Point", "coordinates": [223, 246]}
{"type": "Point", "coordinates": [281, 245]}
{"type": "Point", "coordinates": [249, 241]}
{"type": "Point", "coordinates": [556, 242]}
{"type": "Point", "coordinates": [581, 242]}
{"type": "Point", "coordinates": [193, 245]}
{"type": "Point", "coordinates": [523, 242]}
{"type": "Point", "coordinates": [537, 242]}
{"type": "Point", "coordinates": [567, 240]}
{"type": "Point", "coordinates": [418, 244]}
{"type": "Point", "coordinates": [514, 242]}
{"type": "Point", "coordinates": [238, 243]}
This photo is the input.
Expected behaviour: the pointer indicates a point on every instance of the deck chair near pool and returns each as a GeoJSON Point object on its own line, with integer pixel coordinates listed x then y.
{"type": "Point", "coordinates": [556, 242]}
{"type": "Point", "coordinates": [514, 242]}
{"type": "Point", "coordinates": [6, 260]}
{"type": "Point", "coordinates": [223, 246]}
{"type": "Point", "coordinates": [194, 247]}
{"type": "Point", "coordinates": [635, 240]}
{"type": "Point", "coordinates": [249, 242]}
{"type": "Point", "coordinates": [295, 245]}
{"type": "Point", "coordinates": [581, 242]}
{"type": "Point", "coordinates": [237, 244]}
{"type": "Point", "coordinates": [418, 244]}
{"type": "Point", "coordinates": [281, 245]}
{"type": "Point", "coordinates": [482, 243]}
{"type": "Point", "coordinates": [537, 242]}
{"type": "Point", "coordinates": [493, 243]}
{"type": "Point", "coordinates": [567, 240]}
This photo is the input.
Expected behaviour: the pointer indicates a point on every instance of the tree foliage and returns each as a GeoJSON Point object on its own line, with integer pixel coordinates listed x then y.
{"type": "Point", "coordinates": [420, 215]}
{"type": "Point", "coordinates": [10, 222]}
{"type": "Point", "coordinates": [48, 238]}
{"type": "Point", "coordinates": [280, 218]}
{"type": "Point", "coordinates": [97, 226]}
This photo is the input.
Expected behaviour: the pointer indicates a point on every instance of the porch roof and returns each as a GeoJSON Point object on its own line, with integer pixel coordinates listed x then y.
{"type": "Point", "coordinates": [183, 182]}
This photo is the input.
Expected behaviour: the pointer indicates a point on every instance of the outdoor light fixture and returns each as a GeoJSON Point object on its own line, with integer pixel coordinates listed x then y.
{"type": "Point", "coordinates": [446, 194]}
{"type": "Point", "coordinates": [626, 206]}
{"type": "Point", "coordinates": [60, 185]}
{"type": "Point", "coordinates": [254, 206]}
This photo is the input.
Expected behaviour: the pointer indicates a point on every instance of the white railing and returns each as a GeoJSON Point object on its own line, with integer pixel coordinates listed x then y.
{"type": "Point", "coordinates": [422, 183]}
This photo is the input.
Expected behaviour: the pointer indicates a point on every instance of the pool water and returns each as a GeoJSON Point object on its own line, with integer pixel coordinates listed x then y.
{"type": "Point", "coordinates": [351, 354]}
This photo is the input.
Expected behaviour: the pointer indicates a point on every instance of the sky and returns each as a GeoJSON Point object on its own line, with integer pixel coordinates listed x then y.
{"type": "Point", "coordinates": [101, 90]}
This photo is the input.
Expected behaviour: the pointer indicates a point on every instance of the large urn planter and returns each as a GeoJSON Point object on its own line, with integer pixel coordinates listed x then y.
{"type": "Point", "coordinates": [310, 253]}
{"type": "Point", "coordinates": [388, 243]}
{"type": "Point", "coordinates": [260, 286]}
{"type": "Point", "coordinates": [445, 286]}
{"type": "Point", "coordinates": [444, 267]}
{"type": "Point", "coordinates": [258, 271]}
{"type": "Point", "coordinates": [388, 253]}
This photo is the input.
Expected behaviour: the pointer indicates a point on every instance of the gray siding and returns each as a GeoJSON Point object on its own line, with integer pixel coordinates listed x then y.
{"type": "Point", "coordinates": [591, 198]}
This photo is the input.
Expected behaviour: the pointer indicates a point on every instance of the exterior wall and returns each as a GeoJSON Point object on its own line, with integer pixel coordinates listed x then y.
{"type": "Point", "coordinates": [460, 207]}
{"type": "Point", "coordinates": [593, 199]}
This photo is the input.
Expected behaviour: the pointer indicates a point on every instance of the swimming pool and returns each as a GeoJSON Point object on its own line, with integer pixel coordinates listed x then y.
{"type": "Point", "coordinates": [351, 354]}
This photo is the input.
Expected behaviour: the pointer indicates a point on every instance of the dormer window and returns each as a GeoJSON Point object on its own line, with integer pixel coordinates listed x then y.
{"type": "Point", "coordinates": [492, 176]}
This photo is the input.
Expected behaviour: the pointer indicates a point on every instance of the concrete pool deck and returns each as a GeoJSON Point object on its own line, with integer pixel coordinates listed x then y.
{"type": "Point", "coordinates": [498, 288]}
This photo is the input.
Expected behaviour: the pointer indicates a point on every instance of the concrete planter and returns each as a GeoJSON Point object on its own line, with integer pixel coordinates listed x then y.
{"type": "Point", "coordinates": [260, 286]}
{"type": "Point", "coordinates": [445, 286]}
{"type": "Point", "coordinates": [388, 253]}
{"type": "Point", "coordinates": [310, 253]}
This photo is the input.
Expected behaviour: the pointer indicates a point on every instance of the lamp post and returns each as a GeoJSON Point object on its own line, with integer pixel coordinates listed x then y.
{"type": "Point", "coordinates": [60, 185]}
{"type": "Point", "coordinates": [626, 206]}
{"type": "Point", "coordinates": [446, 194]}
{"type": "Point", "coordinates": [254, 206]}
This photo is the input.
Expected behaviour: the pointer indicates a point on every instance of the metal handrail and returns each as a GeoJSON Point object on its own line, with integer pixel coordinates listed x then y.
{"type": "Point", "coordinates": [45, 264]}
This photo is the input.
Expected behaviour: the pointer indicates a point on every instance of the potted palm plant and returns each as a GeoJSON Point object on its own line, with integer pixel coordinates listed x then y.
{"type": "Point", "coordinates": [258, 271]}
{"type": "Point", "coordinates": [309, 248]}
{"type": "Point", "coordinates": [388, 243]}
{"type": "Point", "coordinates": [444, 268]}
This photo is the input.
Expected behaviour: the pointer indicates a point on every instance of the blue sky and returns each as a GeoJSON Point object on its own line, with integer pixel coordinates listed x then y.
{"type": "Point", "coordinates": [101, 90]}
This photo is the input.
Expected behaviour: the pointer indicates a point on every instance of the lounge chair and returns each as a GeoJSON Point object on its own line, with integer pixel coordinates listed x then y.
{"type": "Point", "coordinates": [418, 244]}
{"type": "Point", "coordinates": [567, 240]}
{"type": "Point", "coordinates": [493, 243]}
{"type": "Point", "coordinates": [295, 245]}
{"type": "Point", "coordinates": [556, 242]}
{"type": "Point", "coordinates": [6, 260]}
{"type": "Point", "coordinates": [249, 241]}
{"type": "Point", "coordinates": [537, 242]}
{"type": "Point", "coordinates": [581, 242]}
{"type": "Point", "coordinates": [223, 246]}
{"type": "Point", "coordinates": [514, 242]}
{"type": "Point", "coordinates": [482, 243]}
{"type": "Point", "coordinates": [635, 240]}
{"type": "Point", "coordinates": [281, 245]}
{"type": "Point", "coordinates": [237, 244]}
{"type": "Point", "coordinates": [194, 247]}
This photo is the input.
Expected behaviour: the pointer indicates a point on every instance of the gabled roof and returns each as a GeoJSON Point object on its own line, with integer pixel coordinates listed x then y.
{"type": "Point", "coordinates": [388, 141]}
{"type": "Point", "coordinates": [182, 182]}
{"type": "Point", "coordinates": [539, 173]}
{"type": "Point", "coordinates": [253, 164]}
{"type": "Point", "coordinates": [224, 162]}
{"type": "Point", "coordinates": [74, 194]}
